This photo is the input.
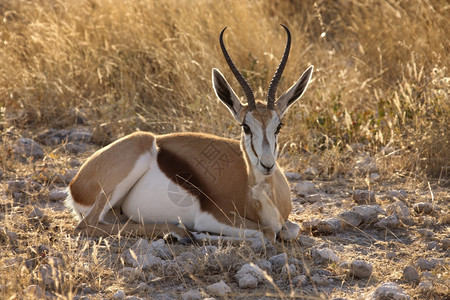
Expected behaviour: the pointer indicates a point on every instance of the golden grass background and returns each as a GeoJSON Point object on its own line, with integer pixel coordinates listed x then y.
{"type": "Point", "coordinates": [381, 76]}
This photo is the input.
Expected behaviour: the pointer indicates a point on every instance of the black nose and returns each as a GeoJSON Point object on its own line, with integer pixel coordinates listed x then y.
{"type": "Point", "coordinates": [266, 167]}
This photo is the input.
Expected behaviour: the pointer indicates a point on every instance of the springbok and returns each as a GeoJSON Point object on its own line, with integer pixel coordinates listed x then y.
{"type": "Point", "coordinates": [182, 182]}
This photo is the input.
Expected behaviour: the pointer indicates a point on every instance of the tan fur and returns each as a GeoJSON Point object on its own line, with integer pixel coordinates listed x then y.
{"type": "Point", "coordinates": [108, 167]}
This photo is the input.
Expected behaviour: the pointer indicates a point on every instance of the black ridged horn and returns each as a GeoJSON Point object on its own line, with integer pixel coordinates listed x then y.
{"type": "Point", "coordinates": [276, 78]}
{"type": "Point", "coordinates": [244, 84]}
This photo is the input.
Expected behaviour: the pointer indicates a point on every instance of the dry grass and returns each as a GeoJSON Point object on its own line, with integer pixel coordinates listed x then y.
{"type": "Point", "coordinates": [381, 70]}
{"type": "Point", "coordinates": [381, 85]}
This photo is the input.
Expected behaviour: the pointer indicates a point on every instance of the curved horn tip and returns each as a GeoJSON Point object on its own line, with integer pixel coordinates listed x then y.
{"type": "Point", "coordinates": [223, 30]}
{"type": "Point", "coordinates": [277, 76]}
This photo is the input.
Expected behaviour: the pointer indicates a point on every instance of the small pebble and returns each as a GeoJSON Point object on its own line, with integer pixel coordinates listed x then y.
{"type": "Point", "coordinates": [410, 274]}
{"type": "Point", "coordinates": [324, 255]}
{"type": "Point", "coordinates": [369, 212]}
{"type": "Point", "coordinates": [391, 255]}
{"type": "Point", "coordinates": [350, 219]}
{"type": "Point", "coordinates": [425, 287]}
{"type": "Point", "coordinates": [425, 264]}
{"type": "Point", "coordinates": [220, 289]}
{"type": "Point", "coordinates": [313, 198]}
{"type": "Point", "coordinates": [432, 245]}
{"type": "Point", "coordinates": [192, 295]}
{"type": "Point", "coordinates": [360, 269]}
{"type": "Point", "coordinates": [248, 281]}
{"type": "Point", "coordinates": [29, 148]}
{"type": "Point", "coordinates": [321, 280]}
{"type": "Point", "coordinates": [306, 241]}
{"type": "Point", "coordinates": [423, 208]}
{"type": "Point", "coordinates": [389, 290]}
{"type": "Point", "coordinates": [363, 197]}
{"type": "Point", "coordinates": [57, 194]}
{"type": "Point", "coordinates": [289, 270]}
{"type": "Point", "coordinates": [445, 244]}
{"type": "Point", "coordinates": [401, 210]}
{"type": "Point", "coordinates": [291, 176]}
{"type": "Point", "coordinates": [36, 213]}
{"type": "Point", "coordinates": [300, 280]}
{"type": "Point", "coordinates": [389, 222]}
{"type": "Point", "coordinates": [278, 261]}
{"type": "Point", "coordinates": [304, 188]}
{"type": "Point", "coordinates": [119, 295]}
{"type": "Point", "coordinates": [329, 226]}
{"type": "Point", "coordinates": [425, 233]}
{"type": "Point", "coordinates": [311, 172]}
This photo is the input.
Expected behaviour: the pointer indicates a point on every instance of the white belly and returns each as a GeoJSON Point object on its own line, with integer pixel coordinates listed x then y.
{"type": "Point", "coordinates": [155, 198]}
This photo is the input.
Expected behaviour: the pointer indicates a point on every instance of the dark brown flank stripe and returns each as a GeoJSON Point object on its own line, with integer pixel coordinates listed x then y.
{"type": "Point", "coordinates": [181, 173]}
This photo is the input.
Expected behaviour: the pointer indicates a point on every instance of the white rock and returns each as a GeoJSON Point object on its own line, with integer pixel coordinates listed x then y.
{"type": "Point", "coordinates": [425, 286]}
{"type": "Point", "coordinates": [306, 241]}
{"type": "Point", "coordinates": [248, 281]}
{"type": "Point", "coordinates": [363, 197]}
{"type": "Point", "coordinates": [300, 280]}
{"type": "Point", "coordinates": [350, 219]}
{"type": "Point", "coordinates": [48, 276]}
{"type": "Point", "coordinates": [425, 233]}
{"type": "Point", "coordinates": [389, 290]}
{"type": "Point", "coordinates": [80, 136]}
{"type": "Point", "coordinates": [398, 194]}
{"type": "Point", "coordinates": [219, 289]}
{"type": "Point", "coordinates": [29, 148]}
{"type": "Point", "coordinates": [304, 188]}
{"type": "Point", "coordinates": [142, 255]}
{"type": "Point", "coordinates": [34, 291]}
{"type": "Point", "coordinates": [329, 226]}
{"type": "Point", "coordinates": [311, 171]}
{"type": "Point", "coordinates": [278, 261]}
{"type": "Point", "coordinates": [36, 213]}
{"type": "Point", "coordinates": [369, 212]}
{"type": "Point", "coordinates": [289, 270]}
{"type": "Point", "coordinates": [58, 194]}
{"type": "Point", "coordinates": [289, 231]}
{"type": "Point", "coordinates": [119, 295]}
{"type": "Point", "coordinates": [261, 245]}
{"type": "Point", "coordinates": [321, 280]}
{"type": "Point", "coordinates": [410, 274]}
{"type": "Point", "coordinates": [192, 295]}
{"type": "Point", "coordinates": [133, 298]}
{"type": "Point", "coordinates": [423, 208]}
{"type": "Point", "coordinates": [426, 264]}
{"type": "Point", "coordinates": [291, 176]}
{"type": "Point", "coordinates": [265, 265]}
{"type": "Point", "coordinates": [324, 255]}
{"type": "Point", "coordinates": [360, 269]}
{"type": "Point", "coordinates": [374, 176]}
{"type": "Point", "coordinates": [388, 222]}
{"type": "Point", "coordinates": [313, 198]}
{"type": "Point", "coordinates": [251, 269]}
{"type": "Point", "coordinates": [401, 210]}
{"type": "Point", "coordinates": [365, 165]}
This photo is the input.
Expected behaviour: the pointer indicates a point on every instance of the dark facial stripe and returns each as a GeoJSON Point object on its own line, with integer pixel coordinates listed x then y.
{"type": "Point", "coordinates": [253, 147]}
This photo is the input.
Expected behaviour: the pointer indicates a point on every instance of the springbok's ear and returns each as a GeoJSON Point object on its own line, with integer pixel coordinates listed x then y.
{"type": "Point", "coordinates": [226, 94]}
{"type": "Point", "coordinates": [294, 92]}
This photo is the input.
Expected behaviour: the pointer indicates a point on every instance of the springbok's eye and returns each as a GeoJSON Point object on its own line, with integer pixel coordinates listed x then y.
{"type": "Point", "coordinates": [246, 128]}
{"type": "Point", "coordinates": [279, 128]}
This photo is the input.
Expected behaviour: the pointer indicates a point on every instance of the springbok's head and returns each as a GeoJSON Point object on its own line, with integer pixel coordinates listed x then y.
{"type": "Point", "coordinates": [261, 122]}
